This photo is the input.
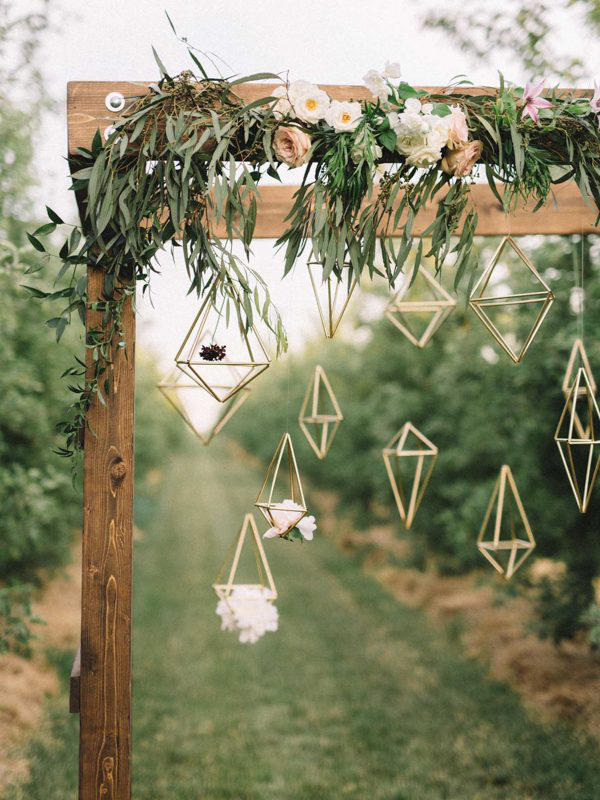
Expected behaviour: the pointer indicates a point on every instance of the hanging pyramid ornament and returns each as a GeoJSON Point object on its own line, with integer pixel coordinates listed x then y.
{"type": "Point", "coordinates": [264, 577]}
{"type": "Point", "coordinates": [419, 319]}
{"type": "Point", "coordinates": [332, 296]}
{"type": "Point", "coordinates": [202, 413]}
{"type": "Point", "coordinates": [320, 415]}
{"type": "Point", "coordinates": [495, 304]}
{"type": "Point", "coordinates": [509, 540]}
{"type": "Point", "coordinates": [409, 458]}
{"type": "Point", "coordinates": [280, 498]}
{"type": "Point", "coordinates": [578, 358]}
{"type": "Point", "coordinates": [218, 353]}
{"type": "Point", "coordinates": [578, 438]}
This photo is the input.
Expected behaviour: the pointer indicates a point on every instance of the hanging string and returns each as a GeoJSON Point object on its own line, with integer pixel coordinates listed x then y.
{"type": "Point", "coordinates": [582, 292]}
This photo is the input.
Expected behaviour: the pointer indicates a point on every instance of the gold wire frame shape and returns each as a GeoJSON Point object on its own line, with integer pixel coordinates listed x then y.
{"type": "Point", "coordinates": [478, 301]}
{"type": "Point", "coordinates": [397, 449]}
{"type": "Point", "coordinates": [329, 422]}
{"type": "Point", "coordinates": [440, 307]}
{"type": "Point", "coordinates": [568, 436]}
{"type": "Point", "coordinates": [264, 499]}
{"type": "Point", "coordinates": [334, 306]}
{"type": "Point", "coordinates": [191, 365]}
{"type": "Point", "coordinates": [172, 384]}
{"type": "Point", "coordinates": [223, 590]}
{"type": "Point", "coordinates": [578, 350]}
{"type": "Point", "coordinates": [488, 547]}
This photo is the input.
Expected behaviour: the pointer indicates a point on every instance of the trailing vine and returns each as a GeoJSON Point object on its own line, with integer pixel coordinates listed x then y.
{"type": "Point", "coordinates": [185, 160]}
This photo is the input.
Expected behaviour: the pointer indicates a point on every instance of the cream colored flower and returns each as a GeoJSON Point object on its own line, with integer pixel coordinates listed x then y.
{"type": "Point", "coordinates": [392, 70]}
{"type": "Point", "coordinates": [290, 515]}
{"type": "Point", "coordinates": [283, 107]}
{"type": "Point", "coordinates": [458, 132]}
{"type": "Point", "coordinates": [291, 145]}
{"type": "Point", "coordinates": [461, 160]}
{"type": "Point", "coordinates": [309, 102]}
{"type": "Point", "coordinates": [343, 116]}
{"type": "Point", "coordinates": [375, 83]}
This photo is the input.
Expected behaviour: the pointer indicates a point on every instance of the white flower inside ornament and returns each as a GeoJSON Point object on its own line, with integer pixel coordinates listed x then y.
{"type": "Point", "coordinates": [245, 607]}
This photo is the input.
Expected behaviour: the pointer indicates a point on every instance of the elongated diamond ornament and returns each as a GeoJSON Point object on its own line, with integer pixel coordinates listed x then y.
{"type": "Point", "coordinates": [578, 439]}
{"type": "Point", "coordinates": [409, 459]}
{"type": "Point", "coordinates": [320, 415]}
{"type": "Point", "coordinates": [218, 352]}
{"type": "Point", "coordinates": [200, 411]}
{"type": "Point", "coordinates": [578, 359]}
{"type": "Point", "coordinates": [419, 318]}
{"type": "Point", "coordinates": [495, 304]}
{"type": "Point", "coordinates": [332, 295]}
{"type": "Point", "coordinates": [505, 538]}
{"type": "Point", "coordinates": [281, 499]}
{"type": "Point", "coordinates": [264, 578]}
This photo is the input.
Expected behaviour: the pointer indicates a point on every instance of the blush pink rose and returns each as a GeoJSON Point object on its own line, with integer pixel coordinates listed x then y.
{"type": "Point", "coordinates": [291, 146]}
{"type": "Point", "coordinates": [458, 131]}
{"type": "Point", "coordinates": [461, 160]}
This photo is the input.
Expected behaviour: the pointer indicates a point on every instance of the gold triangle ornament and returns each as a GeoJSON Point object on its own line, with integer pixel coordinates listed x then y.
{"type": "Point", "coordinates": [407, 448]}
{"type": "Point", "coordinates": [578, 358]}
{"type": "Point", "coordinates": [484, 300]}
{"type": "Point", "coordinates": [509, 540]}
{"type": "Point", "coordinates": [265, 579]}
{"type": "Point", "coordinates": [434, 309]}
{"type": "Point", "coordinates": [578, 439]}
{"type": "Point", "coordinates": [332, 296]}
{"type": "Point", "coordinates": [282, 483]}
{"type": "Point", "coordinates": [321, 411]}
{"type": "Point", "coordinates": [200, 411]}
{"type": "Point", "coordinates": [218, 353]}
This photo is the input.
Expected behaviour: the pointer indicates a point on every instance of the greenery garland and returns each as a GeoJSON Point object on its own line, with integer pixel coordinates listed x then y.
{"type": "Point", "coordinates": [189, 155]}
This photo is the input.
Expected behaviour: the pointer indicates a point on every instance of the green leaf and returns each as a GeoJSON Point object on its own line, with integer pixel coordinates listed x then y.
{"type": "Point", "coordinates": [53, 216]}
{"type": "Point", "coordinates": [36, 243]}
{"type": "Point", "coordinates": [258, 76]}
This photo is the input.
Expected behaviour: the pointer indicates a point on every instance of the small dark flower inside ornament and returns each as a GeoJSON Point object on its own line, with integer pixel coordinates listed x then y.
{"type": "Point", "coordinates": [212, 352]}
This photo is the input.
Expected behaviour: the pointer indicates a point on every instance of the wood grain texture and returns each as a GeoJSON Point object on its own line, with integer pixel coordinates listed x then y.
{"type": "Point", "coordinates": [105, 682]}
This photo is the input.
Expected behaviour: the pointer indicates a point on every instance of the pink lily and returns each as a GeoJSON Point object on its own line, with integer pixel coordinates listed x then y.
{"type": "Point", "coordinates": [533, 101]}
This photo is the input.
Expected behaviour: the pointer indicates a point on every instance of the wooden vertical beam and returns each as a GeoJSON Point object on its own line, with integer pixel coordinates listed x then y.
{"type": "Point", "coordinates": [105, 682]}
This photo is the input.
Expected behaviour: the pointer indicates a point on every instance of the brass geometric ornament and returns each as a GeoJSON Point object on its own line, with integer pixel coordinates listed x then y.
{"type": "Point", "coordinates": [218, 353]}
{"type": "Point", "coordinates": [249, 532]}
{"type": "Point", "coordinates": [201, 412]}
{"type": "Point", "coordinates": [320, 415]}
{"type": "Point", "coordinates": [509, 540]}
{"type": "Point", "coordinates": [332, 296]}
{"type": "Point", "coordinates": [578, 438]}
{"type": "Point", "coordinates": [495, 304]}
{"type": "Point", "coordinates": [427, 312]}
{"type": "Point", "coordinates": [409, 460]}
{"type": "Point", "coordinates": [578, 358]}
{"type": "Point", "coordinates": [281, 499]}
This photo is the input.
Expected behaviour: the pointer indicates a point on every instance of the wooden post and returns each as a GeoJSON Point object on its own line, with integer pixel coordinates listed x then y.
{"type": "Point", "coordinates": [105, 682]}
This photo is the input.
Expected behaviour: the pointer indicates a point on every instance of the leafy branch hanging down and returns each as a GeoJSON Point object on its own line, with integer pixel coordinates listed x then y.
{"type": "Point", "coordinates": [182, 165]}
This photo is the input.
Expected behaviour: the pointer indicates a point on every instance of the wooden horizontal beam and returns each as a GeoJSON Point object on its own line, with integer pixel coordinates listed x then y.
{"type": "Point", "coordinates": [87, 112]}
{"type": "Point", "coordinates": [565, 213]}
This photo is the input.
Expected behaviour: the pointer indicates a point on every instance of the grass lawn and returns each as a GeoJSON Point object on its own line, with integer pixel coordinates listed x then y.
{"type": "Point", "coordinates": [355, 697]}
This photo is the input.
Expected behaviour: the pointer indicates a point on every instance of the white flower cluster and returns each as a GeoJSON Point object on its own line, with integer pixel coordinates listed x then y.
{"type": "Point", "coordinates": [288, 516]}
{"type": "Point", "coordinates": [421, 135]}
{"type": "Point", "coordinates": [307, 102]}
{"type": "Point", "coordinates": [249, 610]}
{"type": "Point", "coordinates": [379, 83]}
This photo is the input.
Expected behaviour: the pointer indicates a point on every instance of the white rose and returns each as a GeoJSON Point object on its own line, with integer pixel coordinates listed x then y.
{"type": "Point", "coordinates": [310, 105]}
{"type": "Point", "coordinates": [375, 83]}
{"type": "Point", "coordinates": [412, 105]}
{"type": "Point", "coordinates": [424, 156]}
{"type": "Point", "coordinates": [283, 107]}
{"type": "Point", "coordinates": [343, 116]}
{"type": "Point", "coordinates": [392, 70]}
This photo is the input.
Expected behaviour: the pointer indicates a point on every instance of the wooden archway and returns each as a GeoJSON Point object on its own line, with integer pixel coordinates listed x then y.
{"type": "Point", "coordinates": [101, 678]}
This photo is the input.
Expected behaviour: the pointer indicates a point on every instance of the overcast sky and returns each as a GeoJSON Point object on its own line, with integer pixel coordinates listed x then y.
{"type": "Point", "coordinates": [329, 42]}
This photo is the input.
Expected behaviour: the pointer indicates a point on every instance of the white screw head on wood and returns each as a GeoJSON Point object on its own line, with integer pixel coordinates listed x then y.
{"type": "Point", "coordinates": [114, 101]}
